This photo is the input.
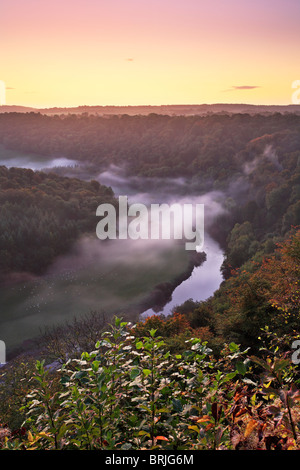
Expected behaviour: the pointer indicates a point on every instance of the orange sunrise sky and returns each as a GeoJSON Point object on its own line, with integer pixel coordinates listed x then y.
{"type": "Point", "coordinates": [136, 52]}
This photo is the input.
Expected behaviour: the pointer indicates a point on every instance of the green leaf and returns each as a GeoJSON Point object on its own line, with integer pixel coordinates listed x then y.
{"type": "Point", "coordinates": [143, 433]}
{"type": "Point", "coordinates": [104, 342]}
{"type": "Point", "coordinates": [95, 365]}
{"type": "Point", "coordinates": [228, 377]}
{"type": "Point", "coordinates": [164, 410]}
{"type": "Point", "coordinates": [233, 347]}
{"type": "Point", "coordinates": [194, 428]}
{"type": "Point", "coordinates": [146, 372]}
{"type": "Point", "coordinates": [241, 368]}
{"type": "Point", "coordinates": [166, 390]}
{"type": "Point", "coordinates": [134, 373]}
{"type": "Point", "coordinates": [139, 345]}
{"type": "Point", "coordinates": [146, 408]}
{"type": "Point", "coordinates": [85, 356]}
{"type": "Point", "coordinates": [261, 363]}
{"type": "Point", "coordinates": [177, 405]}
{"type": "Point", "coordinates": [80, 374]}
{"type": "Point", "coordinates": [65, 380]}
{"type": "Point", "coordinates": [281, 364]}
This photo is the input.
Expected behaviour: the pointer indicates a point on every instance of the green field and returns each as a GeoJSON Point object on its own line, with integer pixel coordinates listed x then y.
{"type": "Point", "coordinates": [110, 284]}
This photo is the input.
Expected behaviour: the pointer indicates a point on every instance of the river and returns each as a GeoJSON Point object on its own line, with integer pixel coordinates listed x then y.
{"type": "Point", "coordinates": [205, 279]}
{"type": "Point", "coordinates": [202, 283]}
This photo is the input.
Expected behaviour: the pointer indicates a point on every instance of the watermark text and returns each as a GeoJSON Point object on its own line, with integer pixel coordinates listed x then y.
{"type": "Point", "coordinates": [296, 353]}
{"type": "Point", "coordinates": [159, 221]}
{"type": "Point", "coordinates": [2, 352]}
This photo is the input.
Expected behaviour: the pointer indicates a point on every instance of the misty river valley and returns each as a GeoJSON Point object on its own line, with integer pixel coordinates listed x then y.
{"type": "Point", "coordinates": [112, 276]}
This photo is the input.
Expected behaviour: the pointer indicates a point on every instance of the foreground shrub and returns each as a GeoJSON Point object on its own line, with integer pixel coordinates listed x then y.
{"type": "Point", "coordinates": [131, 393]}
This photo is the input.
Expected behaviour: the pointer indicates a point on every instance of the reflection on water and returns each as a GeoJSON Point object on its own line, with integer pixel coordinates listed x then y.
{"type": "Point", "coordinates": [202, 283]}
{"type": "Point", "coordinates": [205, 279]}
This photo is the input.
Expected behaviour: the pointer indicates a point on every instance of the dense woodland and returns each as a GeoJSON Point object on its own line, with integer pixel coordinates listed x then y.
{"type": "Point", "coordinates": [41, 215]}
{"type": "Point", "coordinates": [248, 394]}
{"type": "Point", "coordinates": [211, 148]}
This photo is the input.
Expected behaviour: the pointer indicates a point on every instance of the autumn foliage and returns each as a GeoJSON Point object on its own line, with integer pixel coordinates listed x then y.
{"type": "Point", "coordinates": [266, 294]}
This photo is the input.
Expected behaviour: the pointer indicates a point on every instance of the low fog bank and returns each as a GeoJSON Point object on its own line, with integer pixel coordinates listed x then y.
{"type": "Point", "coordinates": [153, 190]}
{"type": "Point", "coordinates": [123, 261]}
{"type": "Point", "coordinates": [145, 190]}
{"type": "Point", "coordinates": [113, 276]}
{"type": "Point", "coordinates": [12, 158]}
{"type": "Point", "coordinates": [203, 279]}
{"type": "Point", "coordinates": [89, 252]}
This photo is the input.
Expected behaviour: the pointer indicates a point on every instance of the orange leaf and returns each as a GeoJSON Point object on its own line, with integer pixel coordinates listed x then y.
{"type": "Point", "coordinates": [209, 426]}
{"type": "Point", "coordinates": [241, 412]}
{"type": "Point", "coordinates": [161, 438]}
{"type": "Point", "coordinates": [204, 419]}
{"type": "Point", "coordinates": [252, 424]}
{"type": "Point", "coordinates": [194, 418]}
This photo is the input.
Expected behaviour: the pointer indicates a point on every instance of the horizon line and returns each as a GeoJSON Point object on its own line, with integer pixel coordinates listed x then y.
{"type": "Point", "coordinates": [146, 105]}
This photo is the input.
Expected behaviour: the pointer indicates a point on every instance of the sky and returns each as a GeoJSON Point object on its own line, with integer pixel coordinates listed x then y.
{"type": "Point", "coordinates": [148, 52]}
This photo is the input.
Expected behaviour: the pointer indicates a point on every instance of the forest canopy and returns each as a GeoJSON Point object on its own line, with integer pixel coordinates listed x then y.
{"type": "Point", "coordinates": [41, 215]}
{"type": "Point", "coordinates": [214, 146]}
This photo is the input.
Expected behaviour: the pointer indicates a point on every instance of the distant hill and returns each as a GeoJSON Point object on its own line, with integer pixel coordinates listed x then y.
{"type": "Point", "coordinates": [17, 109]}
{"type": "Point", "coordinates": [185, 110]}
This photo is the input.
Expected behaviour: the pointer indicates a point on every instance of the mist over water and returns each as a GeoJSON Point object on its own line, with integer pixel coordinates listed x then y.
{"type": "Point", "coordinates": [142, 189]}
{"type": "Point", "coordinates": [205, 279]}
{"type": "Point", "coordinates": [111, 275]}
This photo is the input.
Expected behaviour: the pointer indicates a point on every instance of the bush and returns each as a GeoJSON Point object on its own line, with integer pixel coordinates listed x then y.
{"type": "Point", "coordinates": [130, 393]}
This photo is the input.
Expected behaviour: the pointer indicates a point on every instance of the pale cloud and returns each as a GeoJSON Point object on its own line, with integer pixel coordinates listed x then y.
{"type": "Point", "coordinates": [242, 87]}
